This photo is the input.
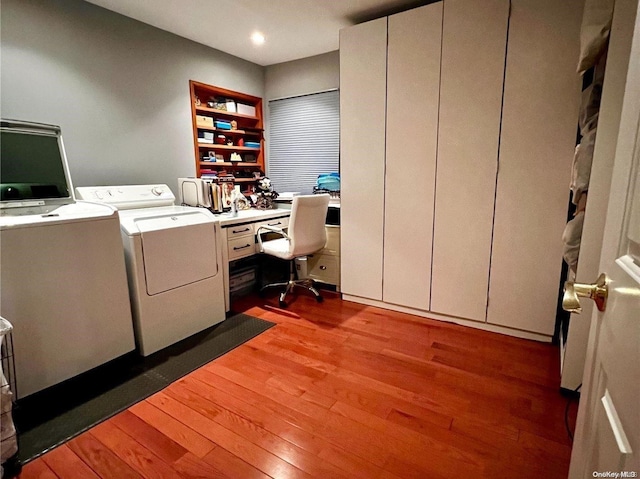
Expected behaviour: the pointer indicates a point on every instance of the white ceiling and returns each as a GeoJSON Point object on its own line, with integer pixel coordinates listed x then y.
{"type": "Point", "coordinates": [293, 29]}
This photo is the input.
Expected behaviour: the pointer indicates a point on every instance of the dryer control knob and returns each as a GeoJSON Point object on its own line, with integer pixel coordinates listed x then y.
{"type": "Point", "coordinates": [157, 191]}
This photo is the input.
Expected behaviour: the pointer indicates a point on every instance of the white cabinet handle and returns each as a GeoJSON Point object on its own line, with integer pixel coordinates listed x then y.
{"type": "Point", "coordinates": [235, 248]}
{"type": "Point", "coordinates": [241, 231]}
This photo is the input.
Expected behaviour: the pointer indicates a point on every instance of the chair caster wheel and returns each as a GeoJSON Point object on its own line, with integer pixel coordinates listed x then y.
{"type": "Point", "coordinates": [282, 304]}
{"type": "Point", "coordinates": [319, 299]}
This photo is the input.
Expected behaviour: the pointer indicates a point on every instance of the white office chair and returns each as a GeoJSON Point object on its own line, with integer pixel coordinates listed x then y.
{"type": "Point", "coordinates": [306, 235]}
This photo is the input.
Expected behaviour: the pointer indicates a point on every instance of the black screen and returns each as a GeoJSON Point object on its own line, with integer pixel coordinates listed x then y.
{"type": "Point", "coordinates": [31, 167]}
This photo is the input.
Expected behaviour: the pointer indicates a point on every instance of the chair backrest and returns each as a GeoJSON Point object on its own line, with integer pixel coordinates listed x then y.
{"type": "Point", "coordinates": [306, 225]}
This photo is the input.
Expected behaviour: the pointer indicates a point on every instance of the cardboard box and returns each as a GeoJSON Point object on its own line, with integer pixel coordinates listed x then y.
{"type": "Point", "coordinates": [204, 121]}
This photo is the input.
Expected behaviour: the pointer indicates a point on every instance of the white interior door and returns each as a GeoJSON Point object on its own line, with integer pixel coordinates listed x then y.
{"type": "Point", "coordinates": [608, 431]}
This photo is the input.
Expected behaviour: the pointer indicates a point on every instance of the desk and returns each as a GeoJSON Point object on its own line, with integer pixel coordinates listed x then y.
{"type": "Point", "coordinates": [324, 265]}
{"type": "Point", "coordinates": [239, 237]}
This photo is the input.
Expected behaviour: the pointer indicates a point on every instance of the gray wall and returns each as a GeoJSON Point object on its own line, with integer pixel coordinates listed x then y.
{"type": "Point", "coordinates": [118, 88]}
{"type": "Point", "coordinates": [300, 77]}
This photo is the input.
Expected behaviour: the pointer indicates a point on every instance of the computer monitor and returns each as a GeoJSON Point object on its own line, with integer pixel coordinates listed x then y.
{"type": "Point", "coordinates": [33, 166]}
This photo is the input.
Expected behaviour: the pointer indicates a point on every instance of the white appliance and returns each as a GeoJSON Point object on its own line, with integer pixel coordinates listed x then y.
{"type": "Point", "coordinates": [194, 192]}
{"type": "Point", "coordinates": [174, 263]}
{"type": "Point", "coordinates": [63, 280]}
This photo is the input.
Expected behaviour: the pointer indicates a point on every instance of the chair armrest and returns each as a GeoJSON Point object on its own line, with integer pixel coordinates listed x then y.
{"type": "Point", "coordinates": [273, 229]}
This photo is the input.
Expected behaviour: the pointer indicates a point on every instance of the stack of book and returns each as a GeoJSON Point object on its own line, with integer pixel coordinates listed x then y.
{"type": "Point", "coordinates": [221, 191]}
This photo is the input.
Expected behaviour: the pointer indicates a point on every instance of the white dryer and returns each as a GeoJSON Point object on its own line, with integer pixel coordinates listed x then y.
{"type": "Point", "coordinates": [173, 256]}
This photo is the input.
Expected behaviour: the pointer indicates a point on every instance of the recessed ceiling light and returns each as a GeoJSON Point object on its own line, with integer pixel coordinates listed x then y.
{"type": "Point", "coordinates": [257, 38]}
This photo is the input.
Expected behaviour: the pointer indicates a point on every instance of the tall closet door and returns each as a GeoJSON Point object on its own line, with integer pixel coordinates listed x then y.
{"type": "Point", "coordinates": [413, 78]}
{"type": "Point", "coordinates": [541, 99]}
{"type": "Point", "coordinates": [474, 40]}
{"type": "Point", "coordinates": [363, 68]}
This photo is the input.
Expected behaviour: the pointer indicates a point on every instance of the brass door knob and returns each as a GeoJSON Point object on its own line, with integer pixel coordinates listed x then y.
{"type": "Point", "coordinates": [596, 291]}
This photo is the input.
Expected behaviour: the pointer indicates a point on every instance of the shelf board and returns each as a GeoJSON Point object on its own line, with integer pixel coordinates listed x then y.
{"type": "Point", "coordinates": [206, 109]}
{"type": "Point", "coordinates": [256, 132]}
{"type": "Point", "coordinates": [216, 146]}
{"type": "Point", "coordinates": [228, 163]}
{"type": "Point", "coordinates": [246, 180]}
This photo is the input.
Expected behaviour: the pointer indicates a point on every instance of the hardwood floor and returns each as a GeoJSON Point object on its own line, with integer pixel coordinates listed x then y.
{"type": "Point", "coordinates": [341, 390]}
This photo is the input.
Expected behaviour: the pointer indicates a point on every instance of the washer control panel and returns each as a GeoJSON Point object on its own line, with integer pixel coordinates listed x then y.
{"type": "Point", "coordinates": [128, 196]}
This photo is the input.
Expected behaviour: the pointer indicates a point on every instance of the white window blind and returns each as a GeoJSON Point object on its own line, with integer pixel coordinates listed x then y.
{"type": "Point", "coordinates": [304, 140]}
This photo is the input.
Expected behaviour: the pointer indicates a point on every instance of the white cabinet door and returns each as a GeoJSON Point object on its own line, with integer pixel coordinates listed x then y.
{"type": "Point", "coordinates": [541, 99]}
{"type": "Point", "coordinates": [363, 62]}
{"type": "Point", "coordinates": [474, 42]}
{"type": "Point", "coordinates": [413, 83]}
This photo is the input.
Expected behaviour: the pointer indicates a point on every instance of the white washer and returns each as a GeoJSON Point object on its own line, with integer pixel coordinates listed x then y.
{"type": "Point", "coordinates": [63, 278]}
{"type": "Point", "coordinates": [64, 287]}
{"type": "Point", "coordinates": [174, 263]}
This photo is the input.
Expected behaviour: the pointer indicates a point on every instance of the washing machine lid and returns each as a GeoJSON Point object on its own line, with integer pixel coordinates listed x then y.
{"type": "Point", "coordinates": [177, 250]}
{"type": "Point", "coordinates": [35, 174]}
{"type": "Point", "coordinates": [70, 213]}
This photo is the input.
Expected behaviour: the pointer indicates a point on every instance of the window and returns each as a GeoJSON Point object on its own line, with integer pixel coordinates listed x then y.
{"type": "Point", "coordinates": [304, 140]}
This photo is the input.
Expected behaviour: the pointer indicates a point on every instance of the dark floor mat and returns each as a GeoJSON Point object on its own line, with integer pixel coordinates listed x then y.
{"type": "Point", "coordinates": [53, 416]}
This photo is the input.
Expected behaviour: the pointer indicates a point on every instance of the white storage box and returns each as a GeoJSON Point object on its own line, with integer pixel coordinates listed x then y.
{"type": "Point", "coordinates": [246, 109]}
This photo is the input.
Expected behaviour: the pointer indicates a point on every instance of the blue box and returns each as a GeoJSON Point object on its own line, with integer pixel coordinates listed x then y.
{"type": "Point", "coordinates": [252, 144]}
{"type": "Point", "coordinates": [222, 125]}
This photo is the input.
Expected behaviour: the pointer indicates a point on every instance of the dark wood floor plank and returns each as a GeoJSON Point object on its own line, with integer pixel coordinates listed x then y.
{"type": "Point", "coordinates": [67, 465]}
{"type": "Point", "coordinates": [150, 437]}
{"type": "Point", "coordinates": [408, 470]}
{"type": "Point", "coordinates": [545, 450]}
{"type": "Point", "coordinates": [37, 469]}
{"type": "Point", "coordinates": [232, 465]}
{"type": "Point", "coordinates": [193, 467]}
{"type": "Point", "coordinates": [341, 389]}
{"type": "Point", "coordinates": [258, 457]}
{"type": "Point", "coordinates": [145, 462]}
{"type": "Point", "coordinates": [100, 458]}
{"type": "Point", "coordinates": [195, 443]}
{"type": "Point", "coordinates": [307, 439]}
{"type": "Point", "coordinates": [343, 433]}
{"type": "Point", "coordinates": [434, 444]}
{"type": "Point", "coordinates": [292, 425]}
{"type": "Point", "coordinates": [485, 430]}
{"type": "Point", "coordinates": [338, 387]}
{"type": "Point", "coordinates": [202, 399]}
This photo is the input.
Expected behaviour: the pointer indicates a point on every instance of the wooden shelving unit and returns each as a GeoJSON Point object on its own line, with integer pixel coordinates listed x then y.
{"type": "Point", "coordinates": [248, 128]}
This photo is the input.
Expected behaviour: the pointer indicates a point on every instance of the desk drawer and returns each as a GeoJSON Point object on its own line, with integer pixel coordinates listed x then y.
{"type": "Point", "coordinates": [332, 246]}
{"type": "Point", "coordinates": [276, 223]}
{"type": "Point", "coordinates": [241, 247]}
{"type": "Point", "coordinates": [322, 267]}
{"type": "Point", "coordinates": [239, 230]}
{"type": "Point", "coordinates": [282, 223]}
